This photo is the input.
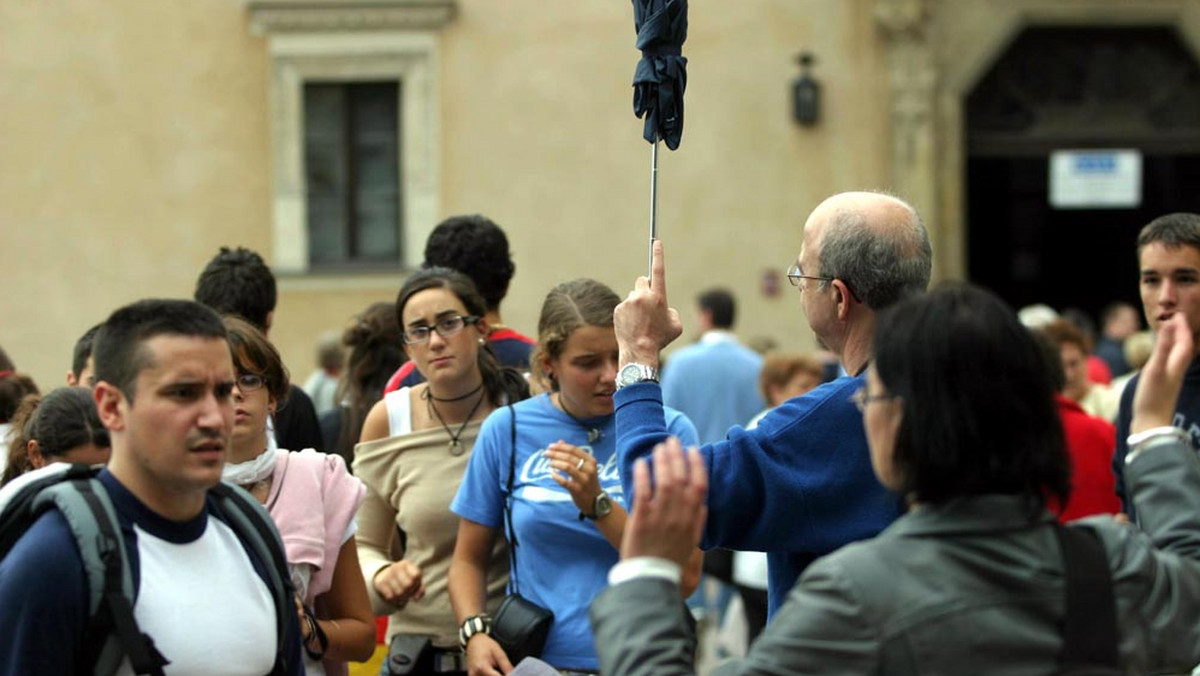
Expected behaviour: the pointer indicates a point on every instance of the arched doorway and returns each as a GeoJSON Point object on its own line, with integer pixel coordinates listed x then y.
{"type": "Point", "coordinates": [1076, 87]}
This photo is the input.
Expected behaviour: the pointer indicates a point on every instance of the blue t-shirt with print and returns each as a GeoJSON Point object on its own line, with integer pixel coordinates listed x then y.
{"type": "Point", "coordinates": [562, 562]}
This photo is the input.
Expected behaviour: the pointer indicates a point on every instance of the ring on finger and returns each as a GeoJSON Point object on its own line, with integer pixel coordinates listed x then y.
{"type": "Point", "coordinates": [580, 465]}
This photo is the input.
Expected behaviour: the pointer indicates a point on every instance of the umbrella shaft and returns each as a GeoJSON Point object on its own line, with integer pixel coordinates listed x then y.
{"type": "Point", "coordinates": [653, 201]}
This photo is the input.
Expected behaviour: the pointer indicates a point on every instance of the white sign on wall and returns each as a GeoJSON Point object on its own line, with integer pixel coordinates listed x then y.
{"type": "Point", "coordinates": [1095, 179]}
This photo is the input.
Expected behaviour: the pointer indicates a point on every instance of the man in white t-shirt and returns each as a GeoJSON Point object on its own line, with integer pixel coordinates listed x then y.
{"type": "Point", "coordinates": [164, 390]}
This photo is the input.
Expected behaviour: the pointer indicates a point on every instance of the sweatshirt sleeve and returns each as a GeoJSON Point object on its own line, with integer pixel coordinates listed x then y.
{"type": "Point", "coordinates": [43, 601]}
{"type": "Point", "coordinates": [801, 481]}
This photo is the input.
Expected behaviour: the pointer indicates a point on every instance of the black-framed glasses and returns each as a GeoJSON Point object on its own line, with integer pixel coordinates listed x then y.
{"type": "Point", "coordinates": [446, 327]}
{"type": "Point", "coordinates": [249, 382]}
{"type": "Point", "coordinates": [862, 399]}
{"type": "Point", "coordinates": [795, 274]}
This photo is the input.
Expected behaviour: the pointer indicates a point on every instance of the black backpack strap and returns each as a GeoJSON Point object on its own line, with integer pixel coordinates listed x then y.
{"type": "Point", "coordinates": [253, 525]}
{"type": "Point", "coordinates": [1090, 621]}
{"type": "Point", "coordinates": [508, 497]}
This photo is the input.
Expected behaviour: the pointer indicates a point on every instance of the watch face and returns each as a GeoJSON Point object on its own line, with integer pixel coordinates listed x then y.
{"type": "Point", "coordinates": [603, 505]}
{"type": "Point", "coordinates": [635, 373]}
{"type": "Point", "coordinates": [628, 374]}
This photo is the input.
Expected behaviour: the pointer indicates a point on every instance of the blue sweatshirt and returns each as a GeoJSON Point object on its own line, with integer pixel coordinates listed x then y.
{"type": "Point", "coordinates": [797, 487]}
{"type": "Point", "coordinates": [1187, 418]}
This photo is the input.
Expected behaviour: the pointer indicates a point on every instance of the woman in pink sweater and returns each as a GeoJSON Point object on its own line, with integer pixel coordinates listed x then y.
{"type": "Point", "coordinates": [313, 501]}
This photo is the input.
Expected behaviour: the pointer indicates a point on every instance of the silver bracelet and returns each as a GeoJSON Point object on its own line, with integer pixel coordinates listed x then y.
{"type": "Point", "coordinates": [1153, 438]}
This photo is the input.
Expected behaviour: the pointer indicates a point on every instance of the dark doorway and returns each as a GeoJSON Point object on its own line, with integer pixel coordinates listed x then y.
{"type": "Point", "coordinates": [1076, 88]}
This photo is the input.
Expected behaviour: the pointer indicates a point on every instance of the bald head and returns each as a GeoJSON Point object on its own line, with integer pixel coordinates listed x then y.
{"type": "Point", "coordinates": [875, 243]}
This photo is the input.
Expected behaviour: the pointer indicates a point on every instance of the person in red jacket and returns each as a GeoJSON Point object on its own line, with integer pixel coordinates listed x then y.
{"type": "Point", "coordinates": [1090, 443]}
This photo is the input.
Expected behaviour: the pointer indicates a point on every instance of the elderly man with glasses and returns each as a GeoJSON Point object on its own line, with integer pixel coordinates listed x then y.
{"type": "Point", "coordinates": [800, 485]}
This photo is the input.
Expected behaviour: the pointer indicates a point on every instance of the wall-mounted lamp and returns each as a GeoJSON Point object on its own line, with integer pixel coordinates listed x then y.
{"type": "Point", "coordinates": [806, 93]}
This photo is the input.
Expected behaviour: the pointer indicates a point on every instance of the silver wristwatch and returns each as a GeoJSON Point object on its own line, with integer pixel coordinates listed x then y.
{"type": "Point", "coordinates": [635, 373]}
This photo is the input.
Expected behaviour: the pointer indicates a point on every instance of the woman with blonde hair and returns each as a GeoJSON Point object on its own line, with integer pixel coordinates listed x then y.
{"type": "Point", "coordinates": [565, 506]}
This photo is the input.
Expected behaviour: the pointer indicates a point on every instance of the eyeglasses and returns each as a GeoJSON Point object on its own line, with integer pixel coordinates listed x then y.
{"type": "Point", "coordinates": [795, 274]}
{"type": "Point", "coordinates": [861, 399]}
{"type": "Point", "coordinates": [249, 382]}
{"type": "Point", "coordinates": [446, 327]}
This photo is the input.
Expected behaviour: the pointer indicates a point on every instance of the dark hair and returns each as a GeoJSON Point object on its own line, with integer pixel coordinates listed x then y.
{"type": "Point", "coordinates": [1172, 230]}
{"type": "Point", "coordinates": [568, 306]}
{"type": "Point", "coordinates": [1082, 321]}
{"type": "Point", "coordinates": [13, 388]}
{"type": "Point", "coordinates": [238, 282]}
{"type": "Point", "coordinates": [503, 384]}
{"type": "Point", "coordinates": [253, 353]}
{"type": "Point", "coordinates": [6, 364]}
{"type": "Point", "coordinates": [979, 412]}
{"type": "Point", "coordinates": [719, 304]}
{"type": "Point", "coordinates": [118, 351]}
{"type": "Point", "coordinates": [330, 354]}
{"type": "Point", "coordinates": [64, 419]}
{"type": "Point", "coordinates": [881, 261]}
{"type": "Point", "coordinates": [476, 247]}
{"type": "Point", "coordinates": [1052, 352]}
{"type": "Point", "coordinates": [83, 350]}
{"type": "Point", "coordinates": [375, 354]}
{"type": "Point", "coordinates": [1113, 310]}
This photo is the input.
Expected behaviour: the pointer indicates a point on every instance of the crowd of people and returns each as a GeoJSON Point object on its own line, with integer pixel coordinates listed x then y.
{"type": "Point", "coordinates": [953, 486]}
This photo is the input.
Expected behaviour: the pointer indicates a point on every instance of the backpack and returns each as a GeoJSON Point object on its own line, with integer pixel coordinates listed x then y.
{"type": "Point", "coordinates": [112, 632]}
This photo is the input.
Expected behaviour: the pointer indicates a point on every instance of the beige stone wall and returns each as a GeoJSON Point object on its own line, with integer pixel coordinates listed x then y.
{"type": "Point", "coordinates": [539, 133]}
{"type": "Point", "coordinates": [132, 144]}
{"type": "Point", "coordinates": [135, 140]}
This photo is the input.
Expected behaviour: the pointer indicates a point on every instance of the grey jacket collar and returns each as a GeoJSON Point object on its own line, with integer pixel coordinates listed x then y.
{"type": "Point", "coordinates": [976, 514]}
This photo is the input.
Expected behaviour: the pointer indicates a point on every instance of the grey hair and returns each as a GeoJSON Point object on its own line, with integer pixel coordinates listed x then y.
{"type": "Point", "coordinates": [882, 261]}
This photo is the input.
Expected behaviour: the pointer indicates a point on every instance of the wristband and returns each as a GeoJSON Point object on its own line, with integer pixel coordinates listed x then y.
{"type": "Point", "coordinates": [1151, 438]}
{"type": "Point", "coordinates": [475, 624]}
{"type": "Point", "coordinates": [317, 633]}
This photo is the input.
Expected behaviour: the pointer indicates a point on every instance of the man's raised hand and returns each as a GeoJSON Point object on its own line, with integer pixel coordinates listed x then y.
{"type": "Point", "coordinates": [644, 322]}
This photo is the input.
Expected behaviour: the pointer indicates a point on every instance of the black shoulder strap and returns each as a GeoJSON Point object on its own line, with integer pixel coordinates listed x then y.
{"type": "Point", "coordinates": [1090, 624]}
{"type": "Point", "coordinates": [508, 497]}
{"type": "Point", "coordinates": [253, 525]}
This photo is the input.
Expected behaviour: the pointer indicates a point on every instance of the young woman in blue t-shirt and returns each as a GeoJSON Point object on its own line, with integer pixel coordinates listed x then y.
{"type": "Point", "coordinates": [568, 508]}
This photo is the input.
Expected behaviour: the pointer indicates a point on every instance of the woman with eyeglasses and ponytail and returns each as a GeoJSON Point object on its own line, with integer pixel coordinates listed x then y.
{"type": "Point", "coordinates": [415, 446]}
{"type": "Point", "coordinates": [313, 501]}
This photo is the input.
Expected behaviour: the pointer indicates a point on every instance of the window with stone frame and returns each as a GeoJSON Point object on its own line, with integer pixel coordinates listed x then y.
{"type": "Point", "coordinates": [352, 173]}
{"type": "Point", "coordinates": [355, 129]}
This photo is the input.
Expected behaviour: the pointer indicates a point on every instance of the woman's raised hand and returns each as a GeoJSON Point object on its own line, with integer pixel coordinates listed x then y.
{"type": "Point", "coordinates": [668, 518]}
{"type": "Point", "coordinates": [1162, 376]}
{"type": "Point", "coordinates": [577, 471]}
